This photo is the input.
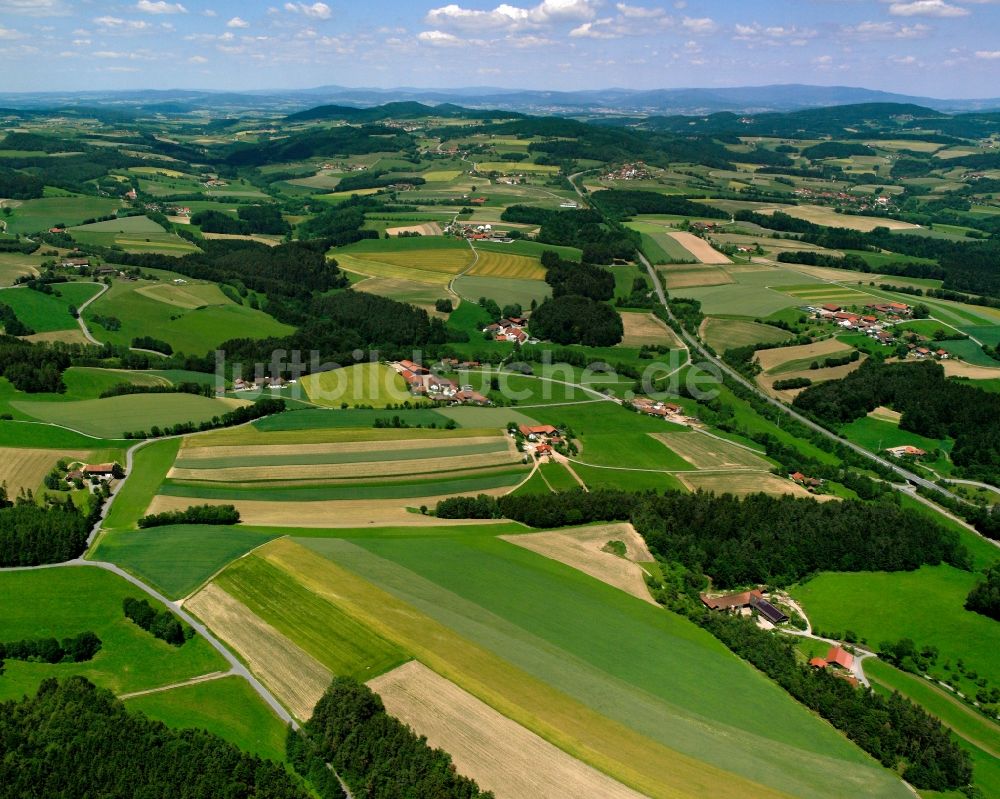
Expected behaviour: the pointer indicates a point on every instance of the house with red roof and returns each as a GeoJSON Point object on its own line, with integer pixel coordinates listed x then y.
{"type": "Point", "coordinates": [840, 657]}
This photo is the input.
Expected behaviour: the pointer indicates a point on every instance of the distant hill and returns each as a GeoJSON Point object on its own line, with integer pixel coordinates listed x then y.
{"type": "Point", "coordinates": [397, 110]}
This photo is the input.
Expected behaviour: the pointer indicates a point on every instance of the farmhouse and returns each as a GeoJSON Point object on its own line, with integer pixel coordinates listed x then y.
{"type": "Point", "coordinates": [906, 451]}
{"type": "Point", "coordinates": [839, 657]}
{"type": "Point", "coordinates": [410, 366]}
{"type": "Point", "coordinates": [469, 397]}
{"type": "Point", "coordinates": [731, 601]}
{"type": "Point", "coordinates": [100, 469]}
{"type": "Point", "coordinates": [535, 432]}
{"type": "Point", "coordinates": [831, 307]}
{"type": "Point", "coordinates": [75, 263]}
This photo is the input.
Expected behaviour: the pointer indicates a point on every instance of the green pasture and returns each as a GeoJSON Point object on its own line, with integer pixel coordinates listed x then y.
{"type": "Point", "coordinates": [926, 605]}
{"type": "Point", "coordinates": [365, 383]}
{"type": "Point", "coordinates": [610, 651]}
{"type": "Point", "coordinates": [45, 313]}
{"type": "Point", "coordinates": [336, 640]}
{"type": "Point", "coordinates": [150, 465]}
{"type": "Point", "coordinates": [34, 216]}
{"type": "Point", "coordinates": [190, 330]}
{"type": "Point", "coordinates": [177, 559]}
{"type": "Point", "coordinates": [502, 290]}
{"type": "Point", "coordinates": [596, 477]}
{"type": "Point", "coordinates": [724, 334]}
{"type": "Point", "coordinates": [754, 294]}
{"type": "Point", "coordinates": [228, 707]}
{"type": "Point", "coordinates": [114, 416]}
{"type": "Point", "coordinates": [558, 477]}
{"type": "Point", "coordinates": [38, 435]}
{"type": "Point", "coordinates": [65, 601]}
{"type": "Point", "coordinates": [125, 224]}
{"type": "Point", "coordinates": [404, 244]}
{"type": "Point", "coordinates": [312, 419]}
{"type": "Point", "coordinates": [877, 435]}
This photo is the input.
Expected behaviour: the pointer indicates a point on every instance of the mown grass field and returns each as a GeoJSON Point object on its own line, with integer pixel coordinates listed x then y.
{"type": "Point", "coordinates": [724, 334]}
{"type": "Point", "coordinates": [502, 290]}
{"type": "Point", "coordinates": [150, 465]}
{"type": "Point", "coordinates": [926, 605]}
{"type": "Point", "coordinates": [449, 602]}
{"type": "Point", "coordinates": [368, 384]}
{"type": "Point", "coordinates": [530, 249]}
{"type": "Point", "coordinates": [114, 416]}
{"type": "Point", "coordinates": [46, 313]}
{"type": "Point", "coordinates": [503, 265]}
{"type": "Point", "coordinates": [876, 435]}
{"type": "Point", "coordinates": [126, 224]}
{"type": "Point", "coordinates": [130, 658]}
{"type": "Point", "coordinates": [192, 330]}
{"type": "Point", "coordinates": [23, 468]}
{"type": "Point", "coordinates": [228, 707]}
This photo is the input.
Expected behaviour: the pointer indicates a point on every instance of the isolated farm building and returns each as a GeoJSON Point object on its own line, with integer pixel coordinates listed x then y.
{"type": "Point", "coordinates": [536, 431]}
{"type": "Point", "coordinates": [74, 475]}
{"type": "Point", "coordinates": [907, 450]}
{"type": "Point", "coordinates": [839, 657]}
{"type": "Point", "coordinates": [471, 397]}
{"type": "Point", "coordinates": [478, 200]}
{"type": "Point", "coordinates": [99, 469]}
{"type": "Point", "coordinates": [797, 477]}
{"type": "Point", "coordinates": [942, 355]}
{"type": "Point", "coordinates": [76, 263]}
{"type": "Point", "coordinates": [732, 601]}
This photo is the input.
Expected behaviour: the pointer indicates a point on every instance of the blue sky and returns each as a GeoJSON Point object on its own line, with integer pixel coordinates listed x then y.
{"type": "Point", "coordinates": [943, 48]}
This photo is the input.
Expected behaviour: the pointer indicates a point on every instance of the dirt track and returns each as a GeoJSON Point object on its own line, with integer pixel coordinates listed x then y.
{"type": "Point", "coordinates": [498, 753]}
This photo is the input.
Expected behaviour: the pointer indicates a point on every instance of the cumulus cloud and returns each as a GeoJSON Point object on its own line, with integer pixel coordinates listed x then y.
{"type": "Point", "coordinates": [625, 24]}
{"type": "Point", "coordinates": [314, 11]}
{"type": "Point", "coordinates": [886, 30]}
{"type": "Point", "coordinates": [508, 16]}
{"type": "Point", "coordinates": [774, 34]}
{"type": "Point", "coordinates": [198, 59]}
{"type": "Point", "coordinates": [119, 25]}
{"type": "Point", "coordinates": [159, 7]}
{"type": "Point", "coordinates": [34, 8]}
{"type": "Point", "coordinates": [988, 55]}
{"type": "Point", "coordinates": [700, 25]}
{"type": "Point", "coordinates": [440, 39]}
{"type": "Point", "coordinates": [237, 22]}
{"type": "Point", "coordinates": [927, 8]}
{"type": "Point", "coordinates": [639, 12]}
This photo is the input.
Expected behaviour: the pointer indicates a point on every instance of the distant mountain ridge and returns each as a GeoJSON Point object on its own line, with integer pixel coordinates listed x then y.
{"type": "Point", "coordinates": [596, 102]}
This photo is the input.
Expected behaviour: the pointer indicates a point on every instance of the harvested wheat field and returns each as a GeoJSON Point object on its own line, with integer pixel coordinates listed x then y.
{"type": "Point", "coordinates": [687, 277]}
{"type": "Point", "coordinates": [267, 451]}
{"type": "Point", "coordinates": [973, 372]}
{"type": "Point", "coordinates": [766, 382]}
{"type": "Point", "coordinates": [297, 679]}
{"type": "Point", "coordinates": [330, 513]}
{"type": "Point", "coordinates": [449, 260]}
{"type": "Point", "coordinates": [270, 241]}
{"type": "Point", "coordinates": [707, 452]}
{"type": "Point", "coordinates": [426, 229]}
{"type": "Point", "coordinates": [884, 414]}
{"type": "Point", "coordinates": [820, 215]}
{"type": "Point", "coordinates": [644, 328]}
{"type": "Point", "coordinates": [333, 471]}
{"type": "Point", "coordinates": [73, 336]}
{"type": "Point", "coordinates": [501, 264]}
{"type": "Point", "coordinates": [771, 359]}
{"type": "Point", "coordinates": [743, 483]}
{"type": "Point", "coordinates": [25, 468]}
{"type": "Point", "coordinates": [583, 549]}
{"type": "Point", "coordinates": [498, 753]}
{"type": "Point", "coordinates": [699, 248]}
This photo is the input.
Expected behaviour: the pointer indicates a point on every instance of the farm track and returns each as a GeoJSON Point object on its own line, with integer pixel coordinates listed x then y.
{"type": "Point", "coordinates": [215, 675]}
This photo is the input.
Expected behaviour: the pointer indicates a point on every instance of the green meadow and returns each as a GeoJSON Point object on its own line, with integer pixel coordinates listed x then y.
{"type": "Point", "coordinates": [34, 216]}
{"type": "Point", "coordinates": [150, 465]}
{"type": "Point", "coordinates": [46, 313]}
{"type": "Point", "coordinates": [66, 601]}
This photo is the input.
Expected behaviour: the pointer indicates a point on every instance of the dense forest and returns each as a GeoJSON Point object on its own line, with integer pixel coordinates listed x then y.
{"type": "Point", "coordinates": [572, 319]}
{"type": "Point", "coordinates": [33, 367]}
{"type": "Point", "coordinates": [931, 405]}
{"type": "Point", "coordinates": [377, 756]}
{"type": "Point", "coordinates": [74, 740]}
{"type": "Point", "coordinates": [583, 279]}
{"type": "Point", "coordinates": [623, 203]}
{"type": "Point", "coordinates": [249, 219]}
{"type": "Point", "coordinates": [739, 541]}
{"type": "Point", "coordinates": [33, 534]}
{"type": "Point", "coordinates": [985, 597]}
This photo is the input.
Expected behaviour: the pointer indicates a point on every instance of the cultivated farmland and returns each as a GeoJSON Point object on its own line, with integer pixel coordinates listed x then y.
{"type": "Point", "coordinates": [644, 328]}
{"type": "Point", "coordinates": [772, 359]}
{"type": "Point", "coordinates": [682, 277]}
{"type": "Point", "coordinates": [724, 334]}
{"type": "Point", "coordinates": [708, 452]}
{"type": "Point", "coordinates": [742, 483]}
{"type": "Point", "coordinates": [495, 264]}
{"type": "Point", "coordinates": [368, 383]}
{"type": "Point", "coordinates": [25, 468]}
{"type": "Point", "coordinates": [699, 248]}
{"type": "Point", "coordinates": [500, 754]}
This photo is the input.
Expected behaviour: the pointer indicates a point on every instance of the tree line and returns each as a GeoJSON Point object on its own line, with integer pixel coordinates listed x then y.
{"type": "Point", "coordinates": [237, 416]}
{"type": "Point", "coordinates": [195, 514]}
{"type": "Point", "coordinates": [600, 241]}
{"type": "Point", "coordinates": [624, 203]}
{"type": "Point", "coordinates": [377, 755]}
{"type": "Point", "coordinates": [985, 596]}
{"type": "Point", "coordinates": [73, 739]}
{"type": "Point", "coordinates": [32, 534]}
{"type": "Point", "coordinates": [161, 624]}
{"type": "Point", "coordinates": [77, 649]}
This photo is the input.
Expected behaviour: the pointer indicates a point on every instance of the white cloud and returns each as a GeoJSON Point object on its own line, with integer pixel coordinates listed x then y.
{"type": "Point", "coordinates": [639, 12]}
{"type": "Point", "coordinates": [440, 39]}
{"type": "Point", "coordinates": [927, 8]}
{"type": "Point", "coordinates": [237, 22]}
{"type": "Point", "coordinates": [886, 30]}
{"type": "Point", "coordinates": [903, 60]}
{"type": "Point", "coordinates": [773, 34]}
{"type": "Point", "coordinates": [314, 11]}
{"type": "Point", "coordinates": [198, 59]}
{"type": "Point", "coordinates": [119, 25]}
{"type": "Point", "coordinates": [988, 55]}
{"type": "Point", "coordinates": [159, 7]}
{"type": "Point", "coordinates": [599, 29]}
{"type": "Point", "coordinates": [508, 16]}
{"type": "Point", "coordinates": [700, 25]}
{"type": "Point", "coordinates": [8, 34]}
{"type": "Point", "coordinates": [823, 60]}
{"type": "Point", "coordinates": [34, 8]}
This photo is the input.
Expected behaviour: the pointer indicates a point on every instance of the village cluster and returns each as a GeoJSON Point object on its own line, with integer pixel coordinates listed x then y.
{"type": "Point", "coordinates": [422, 382]}
{"type": "Point", "coordinates": [663, 410]}
{"type": "Point", "coordinates": [511, 329]}
{"type": "Point", "coordinates": [875, 324]}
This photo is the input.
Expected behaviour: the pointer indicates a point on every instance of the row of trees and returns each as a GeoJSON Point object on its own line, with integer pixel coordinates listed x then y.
{"type": "Point", "coordinates": [72, 739]}
{"type": "Point", "coordinates": [237, 416]}
{"type": "Point", "coordinates": [184, 387]}
{"type": "Point", "coordinates": [377, 755]}
{"type": "Point", "coordinates": [195, 514]}
{"type": "Point", "coordinates": [77, 649]}
{"type": "Point", "coordinates": [13, 326]}
{"type": "Point", "coordinates": [161, 624]}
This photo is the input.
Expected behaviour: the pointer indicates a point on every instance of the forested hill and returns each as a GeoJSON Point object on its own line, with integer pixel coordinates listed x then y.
{"type": "Point", "coordinates": [398, 110]}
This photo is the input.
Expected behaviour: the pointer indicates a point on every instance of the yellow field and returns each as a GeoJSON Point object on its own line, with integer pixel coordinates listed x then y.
{"type": "Point", "coordinates": [25, 468]}
{"type": "Point", "coordinates": [371, 383]}
{"type": "Point", "coordinates": [450, 261]}
{"type": "Point", "coordinates": [686, 277]}
{"type": "Point", "coordinates": [705, 452]}
{"type": "Point", "coordinates": [424, 229]}
{"type": "Point", "coordinates": [819, 215]}
{"type": "Point", "coordinates": [497, 264]}
{"type": "Point", "coordinates": [251, 436]}
{"type": "Point", "coordinates": [335, 471]}
{"type": "Point", "coordinates": [773, 358]}
{"type": "Point", "coordinates": [699, 248]}
{"type": "Point", "coordinates": [583, 549]}
{"type": "Point", "coordinates": [742, 483]}
{"type": "Point", "coordinates": [74, 336]}
{"type": "Point", "coordinates": [157, 170]}
{"type": "Point", "coordinates": [614, 749]}
{"type": "Point", "coordinates": [963, 369]}
{"type": "Point", "coordinates": [296, 678]}
{"type": "Point", "coordinates": [331, 513]}
{"type": "Point", "coordinates": [380, 269]}
{"type": "Point", "coordinates": [441, 175]}
{"type": "Point", "coordinates": [186, 295]}
{"type": "Point", "coordinates": [644, 328]}
{"type": "Point", "coordinates": [338, 196]}
{"type": "Point", "coordinates": [884, 414]}
{"type": "Point", "coordinates": [499, 754]}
